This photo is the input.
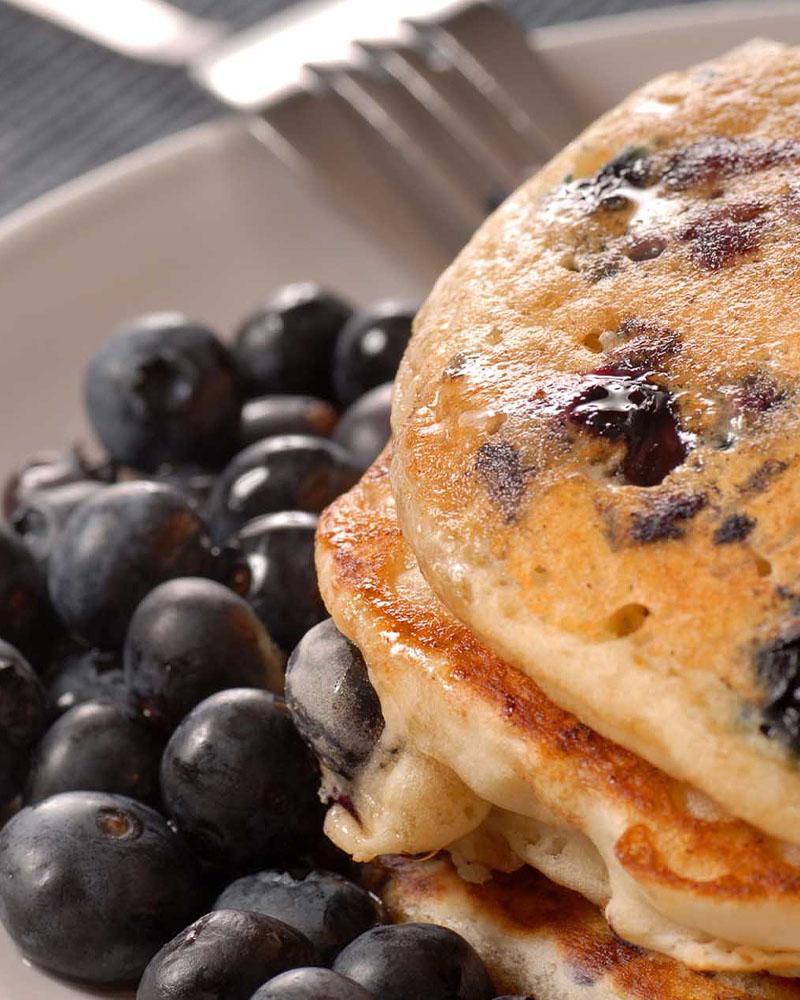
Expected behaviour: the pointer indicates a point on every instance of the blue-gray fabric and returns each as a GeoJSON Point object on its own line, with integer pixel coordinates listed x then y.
{"type": "Point", "coordinates": [67, 105]}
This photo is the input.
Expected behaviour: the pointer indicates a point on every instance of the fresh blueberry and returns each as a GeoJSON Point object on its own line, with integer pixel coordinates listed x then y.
{"type": "Point", "coordinates": [13, 768]}
{"type": "Point", "coordinates": [330, 910]}
{"type": "Point", "coordinates": [311, 984]}
{"type": "Point", "coordinates": [26, 619]}
{"type": "Point", "coordinates": [290, 472]}
{"type": "Point", "coordinates": [116, 548]}
{"type": "Point", "coordinates": [269, 416]}
{"type": "Point", "coordinates": [369, 349]}
{"type": "Point", "coordinates": [232, 569]}
{"type": "Point", "coordinates": [415, 960]}
{"type": "Point", "coordinates": [284, 591]}
{"type": "Point", "coordinates": [23, 718]}
{"type": "Point", "coordinates": [287, 345]}
{"type": "Point", "coordinates": [96, 747]}
{"type": "Point", "coordinates": [321, 854]}
{"type": "Point", "coordinates": [23, 711]}
{"type": "Point", "coordinates": [78, 674]}
{"type": "Point", "coordinates": [238, 781]}
{"type": "Point", "coordinates": [364, 428]}
{"type": "Point", "coordinates": [194, 481]}
{"type": "Point", "coordinates": [163, 389]}
{"type": "Point", "coordinates": [40, 519]}
{"type": "Point", "coordinates": [48, 470]}
{"type": "Point", "coordinates": [224, 955]}
{"type": "Point", "coordinates": [333, 703]}
{"type": "Point", "coordinates": [190, 638]}
{"type": "Point", "coordinates": [91, 885]}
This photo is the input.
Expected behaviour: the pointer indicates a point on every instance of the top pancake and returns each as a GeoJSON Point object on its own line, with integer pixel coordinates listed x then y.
{"type": "Point", "coordinates": [596, 429]}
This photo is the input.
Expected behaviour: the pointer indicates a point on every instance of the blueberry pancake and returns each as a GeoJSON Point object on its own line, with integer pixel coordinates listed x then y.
{"type": "Point", "coordinates": [597, 426]}
{"type": "Point", "coordinates": [537, 938]}
{"type": "Point", "coordinates": [475, 758]}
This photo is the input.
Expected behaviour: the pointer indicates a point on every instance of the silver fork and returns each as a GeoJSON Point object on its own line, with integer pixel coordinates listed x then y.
{"type": "Point", "coordinates": [417, 115]}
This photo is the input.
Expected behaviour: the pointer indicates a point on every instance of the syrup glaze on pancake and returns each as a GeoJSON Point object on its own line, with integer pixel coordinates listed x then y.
{"type": "Point", "coordinates": [538, 938]}
{"type": "Point", "coordinates": [597, 425]}
{"type": "Point", "coordinates": [675, 861]}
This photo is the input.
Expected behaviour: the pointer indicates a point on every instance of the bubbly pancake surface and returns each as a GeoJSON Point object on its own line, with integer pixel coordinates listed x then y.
{"type": "Point", "coordinates": [679, 874]}
{"type": "Point", "coordinates": [596, 430]}
{"type": "Point", "coordinates": [541, 939]}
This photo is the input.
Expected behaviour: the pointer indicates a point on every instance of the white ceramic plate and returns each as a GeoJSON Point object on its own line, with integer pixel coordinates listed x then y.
{"type": "Point", "coordinates": [208, 222]}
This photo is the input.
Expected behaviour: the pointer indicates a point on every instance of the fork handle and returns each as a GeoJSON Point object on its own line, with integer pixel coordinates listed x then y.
{"type": "Point", "coordinates": [150, 30]}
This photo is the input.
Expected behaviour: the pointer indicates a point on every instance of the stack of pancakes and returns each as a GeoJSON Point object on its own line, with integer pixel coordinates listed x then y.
{"type": "Point", "coordinates": [575, 578]}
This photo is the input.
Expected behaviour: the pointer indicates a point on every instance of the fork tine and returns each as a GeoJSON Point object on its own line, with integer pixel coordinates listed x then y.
{"type": "Point", "coordinates": [418, 151]}
{"type": "Point", "coordinates": [417, 117]}
{"type": "Point", "coordinates": [417, 133]}
{"type": "Point", "coordinates": [497, 58]}
{"type": "Point", "coordinates": [311, 129]}
{"type": "Point", "coordinates": [486, 147]}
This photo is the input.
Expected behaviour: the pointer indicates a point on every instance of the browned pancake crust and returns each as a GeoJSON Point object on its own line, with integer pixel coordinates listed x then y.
{"type": "Point", "coordinates": [570, 932]}
{"type": "Point", "coordinates": [362, 555]}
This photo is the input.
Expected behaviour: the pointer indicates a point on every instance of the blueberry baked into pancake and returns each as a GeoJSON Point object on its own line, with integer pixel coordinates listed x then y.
{"type": "Point", "coordinates": [596, 427]}
{"type": "Point", "coordinates": [565, 604]}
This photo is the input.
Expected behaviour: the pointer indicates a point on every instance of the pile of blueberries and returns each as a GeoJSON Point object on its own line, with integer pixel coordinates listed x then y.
{"type": "Point", "coordinates": [158, 793]}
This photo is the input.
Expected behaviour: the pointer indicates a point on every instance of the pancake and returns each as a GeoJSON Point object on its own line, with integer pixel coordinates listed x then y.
{"type": "Point", "coordinates": [674, 871]}
{"type": "Point", "coordinates": [597, 425]}
{"type": "Point", "coordinates": [537, 938]}
{"type": "Point", "coordinates": [404, 802]}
